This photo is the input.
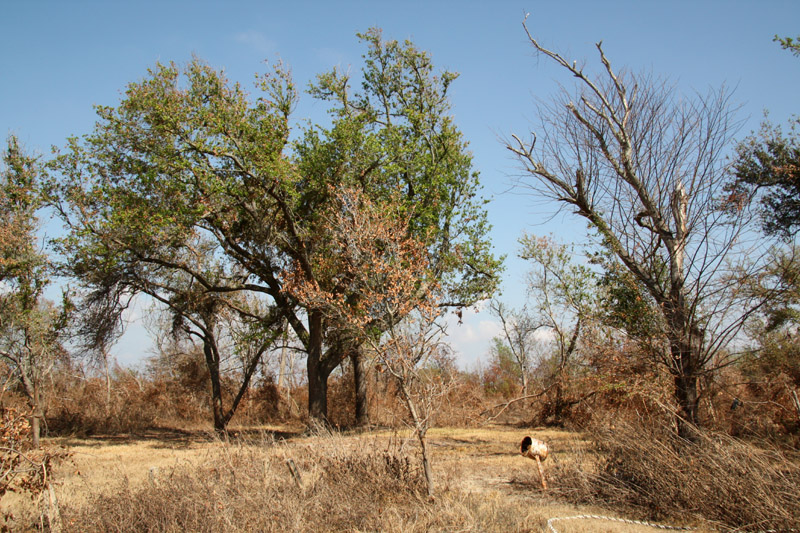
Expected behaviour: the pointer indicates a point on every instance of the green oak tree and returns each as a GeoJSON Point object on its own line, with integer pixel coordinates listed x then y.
{"type": "Point", "coordinates": [187, 155]}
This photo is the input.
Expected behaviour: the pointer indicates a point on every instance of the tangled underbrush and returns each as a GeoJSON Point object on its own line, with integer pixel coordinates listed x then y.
{"type": "Point", "coordinates": [730, 482]}
{"type": "Point", "coordinates": [246, 487]}
{"type": "Point", "coordinates": [23, 469]}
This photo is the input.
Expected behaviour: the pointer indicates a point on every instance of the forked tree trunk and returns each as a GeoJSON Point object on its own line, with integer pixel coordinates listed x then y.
{"type": "Point", "coordinates": [212, 362]}
{"type": "Point", "coordinates": [221, 416]}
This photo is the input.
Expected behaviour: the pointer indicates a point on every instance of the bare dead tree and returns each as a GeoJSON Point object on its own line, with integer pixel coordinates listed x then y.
{"type": "Point", "coordinates": [519, 332]}
{"type": "Point", "coordinates": [405, 351]}
{"type": "Point", "coordinates": [646, 167]}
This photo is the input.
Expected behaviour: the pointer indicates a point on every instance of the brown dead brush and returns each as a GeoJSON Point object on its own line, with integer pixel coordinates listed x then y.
{"type": "Point", "coordinates": [726, 481]}
{"type": "Point", "coordinates": [344, 483]}
{"type": "Point", "coordinates": [246, 487]}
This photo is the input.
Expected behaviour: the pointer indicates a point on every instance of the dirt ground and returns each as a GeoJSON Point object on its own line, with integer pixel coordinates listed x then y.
{"type": "Point", "coordinates": [479, 463]}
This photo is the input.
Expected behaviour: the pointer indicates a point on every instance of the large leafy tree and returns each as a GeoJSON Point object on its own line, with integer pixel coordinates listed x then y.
{"type": "Point", "coordinates": [394, 135]}
{"type": "Point", "coordinates": [189, 156]}
{"type": "Point", "coordinates": [397, 135]}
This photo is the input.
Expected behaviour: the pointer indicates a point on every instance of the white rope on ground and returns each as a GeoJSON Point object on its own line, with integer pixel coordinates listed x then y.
{"type": "Point", "coordinates": [552, 529]}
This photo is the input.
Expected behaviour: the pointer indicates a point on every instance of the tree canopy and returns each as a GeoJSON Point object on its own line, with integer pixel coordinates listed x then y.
{"type": "Point", "coordinates": [189, 165]}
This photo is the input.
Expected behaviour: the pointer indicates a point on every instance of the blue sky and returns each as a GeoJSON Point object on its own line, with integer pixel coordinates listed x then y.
{"type": "Point", "coordinates": [61, 58]}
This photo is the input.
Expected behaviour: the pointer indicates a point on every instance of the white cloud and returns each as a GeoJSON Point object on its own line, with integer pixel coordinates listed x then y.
{"type": "Point", "coordinates": [256, 40]}
{"type": "Point", "coordinates": [471, 338]}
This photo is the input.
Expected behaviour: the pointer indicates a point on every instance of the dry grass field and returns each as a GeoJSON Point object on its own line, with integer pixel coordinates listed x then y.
{"type": "Point", "coordinates": [176, 481]}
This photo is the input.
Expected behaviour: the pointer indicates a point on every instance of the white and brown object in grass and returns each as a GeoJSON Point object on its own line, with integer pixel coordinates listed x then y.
{"type": "Point", "coordinates": [536, 450]}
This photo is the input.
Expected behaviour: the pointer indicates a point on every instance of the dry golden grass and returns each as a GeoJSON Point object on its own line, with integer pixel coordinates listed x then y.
{"type": "Point", "coordinates": [350, 482]}
{"type": "Point", "coordinates": [104, 459]}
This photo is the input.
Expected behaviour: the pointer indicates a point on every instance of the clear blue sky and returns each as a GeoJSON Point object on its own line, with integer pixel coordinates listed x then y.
{"type": "Point", "coordinates": [61, 58]}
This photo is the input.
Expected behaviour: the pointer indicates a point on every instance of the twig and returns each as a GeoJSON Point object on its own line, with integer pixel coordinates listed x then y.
{"type": "Point", "coordinates": [506, 405]}
{"type": "Point", "coordinates": [295, 473]}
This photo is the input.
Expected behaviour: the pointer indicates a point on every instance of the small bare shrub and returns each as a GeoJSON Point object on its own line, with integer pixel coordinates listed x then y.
{"type": "Point", "coordinates": [717, 478]}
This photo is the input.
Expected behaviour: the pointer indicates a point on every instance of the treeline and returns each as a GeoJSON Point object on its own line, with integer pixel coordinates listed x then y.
{"type": "Point", "coordinates": [602, 381]}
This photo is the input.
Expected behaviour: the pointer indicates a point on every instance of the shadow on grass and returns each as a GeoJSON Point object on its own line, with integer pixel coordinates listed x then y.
{"type": "Point", "coordinates": [162, 437]}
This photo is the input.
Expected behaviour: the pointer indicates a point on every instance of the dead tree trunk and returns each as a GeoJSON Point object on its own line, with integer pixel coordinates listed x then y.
{"type": "Point", "coordinates": [646, 168]}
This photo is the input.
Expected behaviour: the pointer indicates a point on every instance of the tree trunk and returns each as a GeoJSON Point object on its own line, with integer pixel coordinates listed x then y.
{"type": "Point", "coordinates": [36, 418]}
{"type": "Point", "coordinates": [426, 464]}
{"type": "Point", "coordinates": [686, 351]}
{"type": "Point", "coordinates": [35, 428]}
{"type": "Point", "coordinates": [108, 382]}
{"type": "Point", "coordinates": [524, 378]}
{"type": "Point", "coordinates": [360, 385]}
{"type": "Point", "coordinates": [212, 362]}
{"type": "Point", "coordinates": [282, 366]}
{"type": "Point", "coordinates": [317, 392]}
{"type": "Point", "coordinates": [558, 407]}
{"type": "Point", "coordinates": [319, 366]}
{"type": "Point", "coordinates": [318, 372]}
{"type": "Point", "coordinates": [688, 402]}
